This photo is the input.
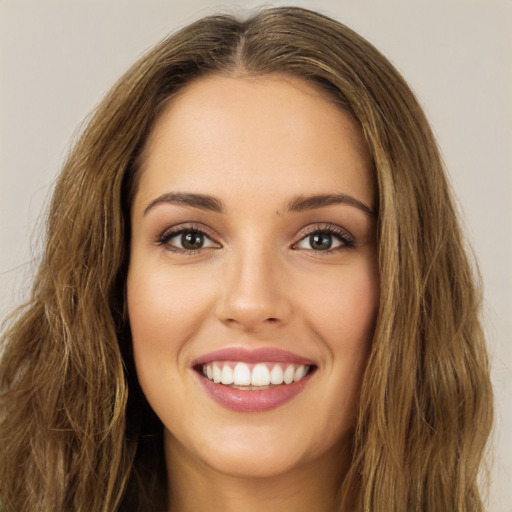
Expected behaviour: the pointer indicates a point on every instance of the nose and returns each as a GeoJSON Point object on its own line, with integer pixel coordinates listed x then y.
{"type": "Point", "coordinates": [254, 297]}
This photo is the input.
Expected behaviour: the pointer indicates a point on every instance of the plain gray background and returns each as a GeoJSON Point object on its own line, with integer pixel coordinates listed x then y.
{"type": "Point", "coordinates": [58, 58]}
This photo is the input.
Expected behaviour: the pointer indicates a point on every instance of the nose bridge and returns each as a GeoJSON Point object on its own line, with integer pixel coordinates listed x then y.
{"type": "Point", "coordinates": [252, 297]}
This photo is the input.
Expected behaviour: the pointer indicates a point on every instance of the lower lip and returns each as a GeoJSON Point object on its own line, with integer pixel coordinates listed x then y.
{"type": "Point", "coordinates": [254, 400]}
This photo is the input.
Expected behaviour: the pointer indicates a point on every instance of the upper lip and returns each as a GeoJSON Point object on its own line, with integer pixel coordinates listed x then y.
{"type": "Point", "coordinates": [257, 355]}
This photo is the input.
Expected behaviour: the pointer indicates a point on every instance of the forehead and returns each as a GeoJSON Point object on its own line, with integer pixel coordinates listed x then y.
{"type": "Point", "coordinates": [244, 135]}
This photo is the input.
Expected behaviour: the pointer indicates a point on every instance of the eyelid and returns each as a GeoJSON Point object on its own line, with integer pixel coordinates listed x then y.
{"type": "Point", "coordinates": [170, 232]}
{"type": "Point", "coordinates": [347, 239]}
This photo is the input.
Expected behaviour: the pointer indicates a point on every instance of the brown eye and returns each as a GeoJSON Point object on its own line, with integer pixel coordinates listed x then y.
{"type": "Point", "coordinates": [192, 241]}
{"type": "Point", "coordinates": [186, 240]}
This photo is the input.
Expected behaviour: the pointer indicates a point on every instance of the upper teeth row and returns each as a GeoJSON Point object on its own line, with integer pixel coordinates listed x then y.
{"type": "Point", "coordinates": [261, 375]}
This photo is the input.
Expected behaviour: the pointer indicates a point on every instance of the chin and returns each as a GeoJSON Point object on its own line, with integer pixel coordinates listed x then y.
{"type": "Point", "coordinates": [259, 452]}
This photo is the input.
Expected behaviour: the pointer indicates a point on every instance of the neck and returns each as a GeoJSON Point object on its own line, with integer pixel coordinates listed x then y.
{"type": "Point", "coordinates": [194, 486]}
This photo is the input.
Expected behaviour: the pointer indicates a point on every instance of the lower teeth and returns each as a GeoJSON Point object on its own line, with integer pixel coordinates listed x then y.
{"type": "Point", "coordinates": [253, 388]}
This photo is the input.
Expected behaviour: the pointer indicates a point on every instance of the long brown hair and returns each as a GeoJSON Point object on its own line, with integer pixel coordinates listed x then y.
{"type": "Point", "coordinates": [76, 433]}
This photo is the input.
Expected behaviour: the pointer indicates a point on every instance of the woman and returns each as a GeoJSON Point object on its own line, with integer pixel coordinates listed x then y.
{"type": "Point", "coordinates": [254, 293]}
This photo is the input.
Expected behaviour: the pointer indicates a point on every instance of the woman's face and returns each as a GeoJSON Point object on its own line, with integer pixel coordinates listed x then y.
{"type": "Point", "coordinates": [253, 285]}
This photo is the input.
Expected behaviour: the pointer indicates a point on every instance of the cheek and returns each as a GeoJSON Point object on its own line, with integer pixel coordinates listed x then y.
{"type": "Point", "coordinates": [344, 306]}
{"type": "Point", "coordinates": [164, 313]}
{"type": "Point", "coordinates": [162, 309]}
{"type": "Point", "coordinates": [341, 310]}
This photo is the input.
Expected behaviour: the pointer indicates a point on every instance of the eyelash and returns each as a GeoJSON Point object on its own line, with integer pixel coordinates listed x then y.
{"type": "Point", "coordinates": [166, 236]}
{"type": "Point", "coordinates": [343, 236]}
{"type": "Point", "coordinates": [346, 239]}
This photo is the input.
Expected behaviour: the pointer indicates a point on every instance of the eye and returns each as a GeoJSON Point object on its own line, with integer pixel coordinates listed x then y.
{"type": "Point", "coordinates": [325, 239]}
{"type": "Point", "coordinates": [186, 240]}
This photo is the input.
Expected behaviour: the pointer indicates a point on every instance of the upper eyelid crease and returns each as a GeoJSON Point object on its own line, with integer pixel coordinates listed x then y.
{"type": "Point", "coordinates": [331, 228]}
{"type": "Point", "coordinates": [178, 230]}
{"type": "Point", "coordinates": [307, 231]}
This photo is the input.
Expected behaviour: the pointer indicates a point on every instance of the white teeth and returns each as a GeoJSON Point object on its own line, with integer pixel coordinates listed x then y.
{"type": "Point", "coordinates": [241, 375]}
{"type": "Point", "coordinates": [276, 375]}
{"type": "Point", "coordinates": [288, 374]}
{"type": "Point", "coordinates": [227, 375]}
{"type": "Point", "coordinates": [299, 373]}
{"type": "Point", "coordinates": [217, 374]}
{"type": "Point", "coordinates": [260, 375]}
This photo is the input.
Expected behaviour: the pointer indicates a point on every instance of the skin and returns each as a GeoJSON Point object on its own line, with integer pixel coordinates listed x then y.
{"type": "Point", "coordinates": [255, 144]}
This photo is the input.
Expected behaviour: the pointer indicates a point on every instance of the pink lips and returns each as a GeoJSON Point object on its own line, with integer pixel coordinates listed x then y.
{"type": "Point", "coordinates": [268, 355]}
{"type": "Point", "coordinates": [255, 400]}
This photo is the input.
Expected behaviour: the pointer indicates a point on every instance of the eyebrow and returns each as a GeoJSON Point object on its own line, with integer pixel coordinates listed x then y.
{"type": "Point", "coordinates": [297, 204]}
{"type": "Point", "coordinates": [201, 201]}
{"type": "Point", "coordinates": [303, 203]}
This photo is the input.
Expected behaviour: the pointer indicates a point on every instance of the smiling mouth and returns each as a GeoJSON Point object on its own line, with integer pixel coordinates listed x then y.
{"type": "Point", "coordinates": [254, 377]}
{"type": "Point", "coordinates": [253, 380]}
